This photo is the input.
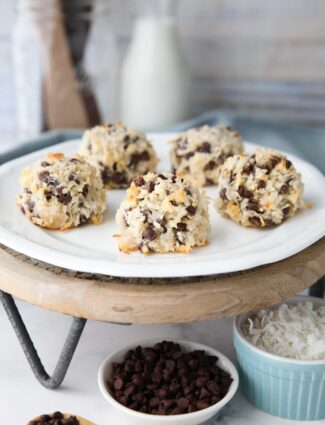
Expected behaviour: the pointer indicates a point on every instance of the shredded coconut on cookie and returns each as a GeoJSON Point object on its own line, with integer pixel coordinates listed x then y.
{"type": "Point", "coordinates": [198, 153]}
{"type": "Point", "coordinates": [163, 213]}
{"type": "Point", "coordinates": [61, 192]}
{"type": "Point", "coordinates": [260, 189]}
{"type": "Point", "coordinates": [119, 153]}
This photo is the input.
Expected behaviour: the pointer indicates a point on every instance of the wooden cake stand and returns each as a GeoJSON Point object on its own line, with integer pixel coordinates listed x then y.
{"type": "Point", "coordinates": [125, 301]}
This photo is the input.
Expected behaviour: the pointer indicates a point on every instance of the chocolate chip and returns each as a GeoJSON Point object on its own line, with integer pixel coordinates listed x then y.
{"type": "Point", "coordinates": [268, 222]}
{"type": "Point", "coordinates": [139, 181]}
{"type": "Point", "coordinates": [193, 364]}
{"type": "Point", "coordinates": [138, 157]}
{"type": "Point", "coordinates": [105, 175]}
{"type": "Point", "coordinates": [211, 165]}
{"type": "Point", "coordinates": [181, 227]}
{"type": "Point", "coordinates": [30, 205]}
{"type": "Point", "coordinates": [57, 418]}
{"type": "Point", "coordinates": [182, 403]}
{"type": "Point", "coordinates": [162, 222]}
{"type": "Point", "coordinates": [284, 189]}
{"type": "Point", "coordinates": [261, 184]}
{"type": "Point", "coordinates": [204, 393]}
{"type": "Point", "coordinates": [188, 155]}
{"type": "Point", "coordinates": [252, 205]}
{"type": "Point", "coordinates": [248, 168]}
{"type": "Point", "coordinates": [202, 404]}
{"type": "Point", "coordinates": [108, 176]}
{"type": "Point", "coordinates": [22, 209]}
{"type": "Point", "coordinates": [162, 177]}
{"type": "Point", "coordinates": [173, 202]}
{"type": "Point", "coordinates": [154, 401]}
{"type": "Point", "coordinates": [288, 163]}
{"type": "Point", "coordinates": [44, 164]}
{"type": "Point", "coordinates": [48, 195]}
{"type": "Point", "coordinates": [222, 194]}
{"type": "Point", "coordinates": [85, 190]}
{"type": "Point", "coordinates": [118, 383]}
{"type": "Point", "coordinates": [209, 182]}
{"type": "Point", "coordinates": [274, 161]}
{"type": "Point", "coordinates": [119, 178]}
{"type": "Point", "coordinates": [149, 234]}
{"type": "Point", "coordinates": [83, 219]}
{"type": "Point", "coordinates": [63, 197]}
{"type": "Point", "coordinates": [150, 186]}
{"type": "Point", "coordinates": [255, 221]}
{"type": "Point", "coordinates": [286, 211]}
{"type": "Point", "coordinates": [266, 167]}
{"type": "Point", "coordinates": [156, 377]}
{"type": "Point", "coordinates": [74, 160]}
{"type": "Point", "coordinates": [245, 193]}
{"type": "Point", "coordinates": [191, 209]}
{"type": "Point", "coordinates": [57, 415]}
{"type": "Point", "coordinates": [46, 177]}
{"type": "Point", "coordinates": [204, 148]}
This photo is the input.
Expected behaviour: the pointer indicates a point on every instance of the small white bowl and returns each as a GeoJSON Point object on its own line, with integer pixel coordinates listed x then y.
{"type": "Point", "coordinates": [195, 418]}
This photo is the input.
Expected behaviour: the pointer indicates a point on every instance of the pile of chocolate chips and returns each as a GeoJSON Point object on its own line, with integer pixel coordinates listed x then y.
{"type": "Point", "coordinates": [57, 418]}
{"type": "Point", "coordinates": [166, 380]}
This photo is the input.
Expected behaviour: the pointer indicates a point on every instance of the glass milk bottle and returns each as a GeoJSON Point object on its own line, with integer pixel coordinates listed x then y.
{"type": "Point", "coordinates": [155, 82]}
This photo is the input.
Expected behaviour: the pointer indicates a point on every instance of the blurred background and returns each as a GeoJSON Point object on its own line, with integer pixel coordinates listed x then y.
{"type": "Point", "coordinates": [69, 63]}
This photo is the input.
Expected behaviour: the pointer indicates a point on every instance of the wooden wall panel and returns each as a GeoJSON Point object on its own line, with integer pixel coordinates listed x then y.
{"type": "Point", "coordinates": [257, 56]}
{"type": "Point", "coordinates": [266, 57]}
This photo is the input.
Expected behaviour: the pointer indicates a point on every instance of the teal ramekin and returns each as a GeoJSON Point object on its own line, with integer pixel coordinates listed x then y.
{"type": "Point", "coordinates": [291, 389]}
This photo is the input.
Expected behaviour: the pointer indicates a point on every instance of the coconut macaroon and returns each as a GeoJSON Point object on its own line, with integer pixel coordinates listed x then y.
{"type": "Point", "coordinates": [259, 190]}
{"type": "Point", "coordinates": [162, 213]}
{"type": "Point", "coordinates": [119, 153]}
{"type": "Point", "coordinates": [198, 154]}
{"type": "Point", "coordinates": [58, 418]}
{"type": "Point", "coordinates": [61, 192]}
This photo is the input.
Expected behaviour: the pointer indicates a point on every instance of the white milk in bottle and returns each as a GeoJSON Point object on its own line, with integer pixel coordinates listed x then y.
{"type": "Point", "coordinates": [156, 83]}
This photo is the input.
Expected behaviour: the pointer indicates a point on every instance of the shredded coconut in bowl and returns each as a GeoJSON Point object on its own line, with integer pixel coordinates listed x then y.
{"type": "Point", "coordinates": [293, 331]}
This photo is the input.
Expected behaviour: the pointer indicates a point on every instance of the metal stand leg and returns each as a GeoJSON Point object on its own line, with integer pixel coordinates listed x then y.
{"type": "Point", "coordinates": [27, 345]}
{"type": "Point", "coordinates": [318, 288]}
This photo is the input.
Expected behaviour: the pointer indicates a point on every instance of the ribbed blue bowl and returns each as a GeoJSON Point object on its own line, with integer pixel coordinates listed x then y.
{"type": "Point", "coordinates": [292, 389]}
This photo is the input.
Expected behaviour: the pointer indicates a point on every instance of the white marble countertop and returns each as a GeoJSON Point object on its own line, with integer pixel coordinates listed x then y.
{"type": "Point", "coordinates": [22, 397]}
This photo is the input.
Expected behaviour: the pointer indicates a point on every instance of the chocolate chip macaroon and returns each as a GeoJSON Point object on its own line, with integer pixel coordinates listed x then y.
{"type": "Point", "coordinates": [59, 418]}
{"type": "Point", "coordinates": [60, 192]}
{"type": "Point", "coordinates": [119, 153]}
{"type": "Point", "coordinates": [162, 213]}
{"type": "Point", "coordinates": [259, 190]}
{"type": "Point", "coordinates": [198, 153]}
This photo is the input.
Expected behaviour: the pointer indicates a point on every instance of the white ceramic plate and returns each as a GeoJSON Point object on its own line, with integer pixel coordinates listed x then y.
{"type": "Point", "coordinates": [93, 249]}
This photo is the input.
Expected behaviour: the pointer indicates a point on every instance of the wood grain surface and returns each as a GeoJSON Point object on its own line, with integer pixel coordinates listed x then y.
{"type": "Point", "coordinates": [118, 300]}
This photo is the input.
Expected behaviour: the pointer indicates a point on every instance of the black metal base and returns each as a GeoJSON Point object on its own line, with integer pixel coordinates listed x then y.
{"type": "Point", "coordinates": [27, 345]}
{"type": "Point", "coordinates": [318, 288]}
{"type": "Point", "coordinates": [70, 345]}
